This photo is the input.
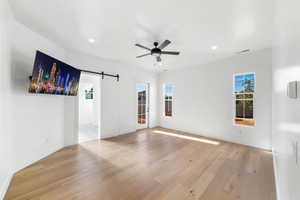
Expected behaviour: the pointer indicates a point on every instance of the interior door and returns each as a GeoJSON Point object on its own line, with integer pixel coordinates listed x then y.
{"type": "Point", "coordinates": [142, 91]}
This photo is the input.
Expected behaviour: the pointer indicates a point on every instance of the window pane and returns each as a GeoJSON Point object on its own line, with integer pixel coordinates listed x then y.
{"type": "Point", "coordinates": [143, 97]}
{"type": "Point", "coordinates": [244, 96]}
{"type": "Point", "coordinates": [239, 109]}
{"type": "Point", "coordinates": [249, 83]}
{"type": "Point", "coordinates": [244, 109]}
{"type": "Point", "coordinates": [168, 89]}
{"type": "Point", "coordinates": [238, 83]}
{"type": "Point", "coordinates": [143, 119]}
{"type": "Point", "coordinates": [248, 96]}
{"type": "Point", "coordinates": [240, 96]}
{"type": "Point", "coordinates": [248, 109]}
{"type": "Point", "coordinates": [143, 109]}
{"type": "Point", "coordinates": [168, 96]}
{"type": "Point", "coordinates": [139, 109]}
{"type": "Point", "coordinates": [244, 83]}
{"type": "Point", "coordinates": [168, 108]}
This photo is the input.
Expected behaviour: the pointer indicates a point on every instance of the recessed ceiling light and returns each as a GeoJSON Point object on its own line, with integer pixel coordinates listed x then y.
{"type": "Point", "coordinates": [214, 47]}
{"type": "Point", "coordinates": [91, 40]}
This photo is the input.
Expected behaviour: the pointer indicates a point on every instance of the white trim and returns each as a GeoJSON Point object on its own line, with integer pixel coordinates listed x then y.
{"type": "Point", "coordinates": [242, 125]}
{"type": "Point", "coordinates": [147, 105]}
{"type": "Point", "coordinates": [276, 174]}
{"type": "Point", "coordinates": [4, 186]}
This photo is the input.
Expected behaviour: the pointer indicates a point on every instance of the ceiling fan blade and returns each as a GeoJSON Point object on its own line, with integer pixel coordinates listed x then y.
{"type": "Point", "coordinates": [147, 54]}
{"type": "Point", "coordinates": [164, 44]}
{"type": "Point", "coordinates": [141, 46]}
{"type": "Point", "coordinates": [170, 52]}
{"type": "Point", "coordinates": [158, 59]}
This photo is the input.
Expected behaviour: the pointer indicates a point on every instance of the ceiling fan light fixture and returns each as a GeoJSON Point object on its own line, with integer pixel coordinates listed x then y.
{"type": "Point", "coordinates": [158, 64]}
{"type": "Point", "coordinates": [157, 50]}
{"type": "Point", "coordinates": [156, 54]}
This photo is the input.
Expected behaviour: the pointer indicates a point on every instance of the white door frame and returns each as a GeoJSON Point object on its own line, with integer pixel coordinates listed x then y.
{"type": "Point", "coordinates": [97, 95]}
{"type": "Point", "coordinates": [146, 125]}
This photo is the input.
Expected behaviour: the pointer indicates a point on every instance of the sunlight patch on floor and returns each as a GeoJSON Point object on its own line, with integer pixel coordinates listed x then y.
{"type": "Point", "coordinates": [187, 137]}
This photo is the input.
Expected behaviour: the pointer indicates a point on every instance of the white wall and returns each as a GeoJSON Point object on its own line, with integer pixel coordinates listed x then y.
{"type": "Point", "coordinates": [5, 132]}
{"type": "Point", "coordinates": [38, 120]}
{"type": "Point", "coordinates": [41, 124]}
{"type": "Point", "coordinates": [31, 125]}
{"type": "Point", "coordinates": [46, 123]}
{"type": "Point", "coordinates": [286, 112]}
{"type": "Point", "coordinates": [118, 103]}
{"type": "Point", "coordinates": [203, 102]}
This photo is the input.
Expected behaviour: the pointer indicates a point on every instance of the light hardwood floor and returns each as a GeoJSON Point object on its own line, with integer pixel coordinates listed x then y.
{"type": "Point", "coordinates": [152, 164]}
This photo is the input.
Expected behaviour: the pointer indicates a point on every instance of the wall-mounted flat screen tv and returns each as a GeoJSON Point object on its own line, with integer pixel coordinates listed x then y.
{"type": "Point", "coordinates": [51, 76]}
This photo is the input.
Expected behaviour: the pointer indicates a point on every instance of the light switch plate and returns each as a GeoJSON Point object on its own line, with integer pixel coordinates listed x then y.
{"type": "Point", "coordinates": [292, 89]}
{"type": "Point", "coordinates": [298, 89]}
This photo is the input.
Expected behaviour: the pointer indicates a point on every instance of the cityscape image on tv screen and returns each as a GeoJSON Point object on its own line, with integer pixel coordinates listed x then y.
{"type": "Point", "coordinates": [51, 76]}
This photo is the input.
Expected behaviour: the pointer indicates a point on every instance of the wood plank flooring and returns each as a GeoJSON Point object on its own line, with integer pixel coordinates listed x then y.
{"type": "Point", "coordinates": [152, 164]}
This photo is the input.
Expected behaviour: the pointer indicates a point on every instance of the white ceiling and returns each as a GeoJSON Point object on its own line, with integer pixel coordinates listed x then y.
{"type": "Point", "coordinates": [193, 26]}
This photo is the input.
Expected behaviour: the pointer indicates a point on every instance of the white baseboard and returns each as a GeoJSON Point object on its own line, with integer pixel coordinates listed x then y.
{"type": "Point", "coordinates": [276, 174]}
{"type": "Point", "coordinates": [4, 187]}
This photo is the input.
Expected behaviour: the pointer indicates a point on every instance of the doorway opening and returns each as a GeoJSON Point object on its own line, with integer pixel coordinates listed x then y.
{"type": "Point", "coordinates": [142, 91]}
{"type": "Point", "coordinates": [89, 108]}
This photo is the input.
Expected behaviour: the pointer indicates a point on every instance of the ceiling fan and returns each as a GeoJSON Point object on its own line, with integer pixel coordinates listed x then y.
{"type": "Point", "coordinates": [157, 50]}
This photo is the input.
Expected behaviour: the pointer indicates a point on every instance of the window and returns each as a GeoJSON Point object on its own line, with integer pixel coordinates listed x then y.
{"type": "Point", "coordinates": [142, 103]}
{"type": "Point", "coordinates": [168, 98]}
{"type": "Point", "coordinates": [244, 88]}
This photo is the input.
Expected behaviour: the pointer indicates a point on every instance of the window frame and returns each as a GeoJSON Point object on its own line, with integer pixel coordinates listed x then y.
{"type": "Point", "coordinates": [142, 107]}
{"type": "Point", "coordinates": [234, 99]}
{"type": "Point", "coordinates": [164, 100]}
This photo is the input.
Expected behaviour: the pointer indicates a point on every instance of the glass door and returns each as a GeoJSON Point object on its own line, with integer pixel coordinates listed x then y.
{"type": "Point", "coordinates": [142, 105]}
